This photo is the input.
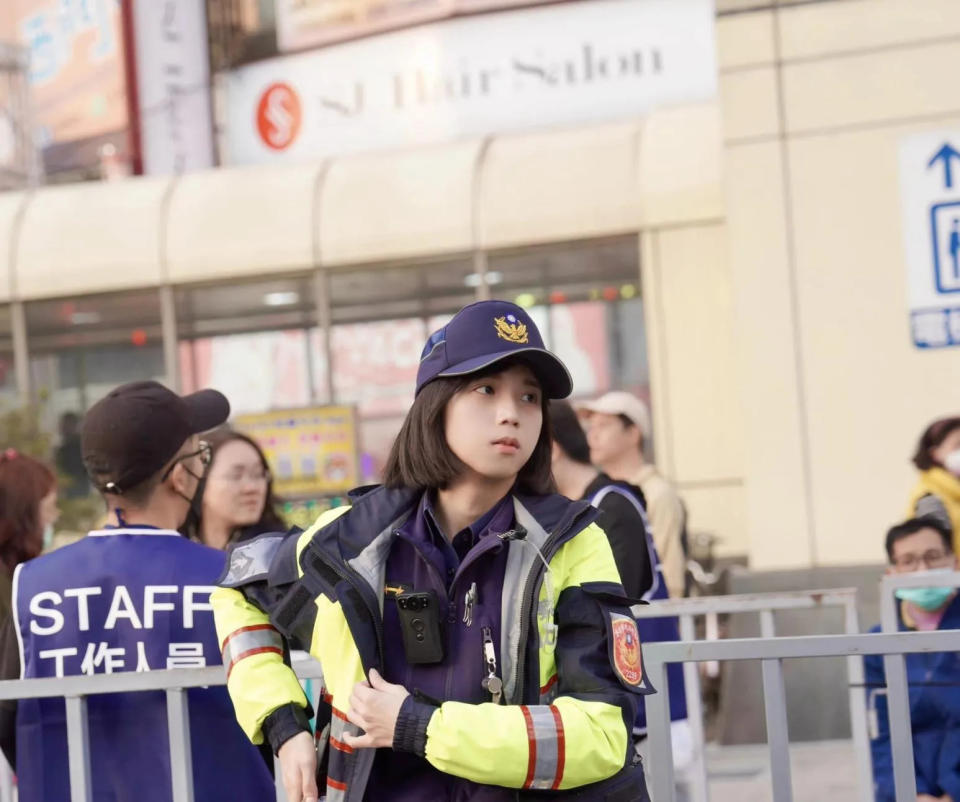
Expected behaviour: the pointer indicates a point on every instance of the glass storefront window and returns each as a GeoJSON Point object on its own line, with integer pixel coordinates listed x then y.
{"type": "Point", "coordinates": [81, 348]}
{"type": "Point", "coordinates": [585, 298]}
{"type": "Point", "coordinates": [252, 341]}
{"type": "Point", "coordinates": [381, 319]}
{"type": "Point", "coordinates": [388, 293]}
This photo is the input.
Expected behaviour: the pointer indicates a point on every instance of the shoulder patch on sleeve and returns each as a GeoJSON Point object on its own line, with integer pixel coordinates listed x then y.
{"type": "Point", "coordinates": [250, 561]}
{"type": "Point", "coordinates": [627, 657]}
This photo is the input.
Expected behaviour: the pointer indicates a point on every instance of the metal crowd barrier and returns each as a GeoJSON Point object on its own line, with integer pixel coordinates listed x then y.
{"type": "Point", "coordinates": [772, 652]}
{"type": "Point", "coordinates": [895, 673]}
{"type": "Point", "coordinates": [765, 604]}
{"type": "Point", "coordinates": [7, 787]}
{"type": "Point", "coordinates": [175, 682]}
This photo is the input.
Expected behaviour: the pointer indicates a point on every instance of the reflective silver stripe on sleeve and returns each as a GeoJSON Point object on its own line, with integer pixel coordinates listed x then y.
{"type": "Point", "coordinates": [340, 727]}
{"type": "Point", "coordinates": [335, 794]}
{"type": "Point", "coordinates": [248, 641]}
{"type": "Point", "coordinates": [546, 748]}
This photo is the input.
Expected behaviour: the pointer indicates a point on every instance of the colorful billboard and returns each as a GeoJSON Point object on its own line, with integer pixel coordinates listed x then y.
{"type": "Point", "coordinates": [77, 86]}
{"type": "Point", "coordinates": [312, 452]}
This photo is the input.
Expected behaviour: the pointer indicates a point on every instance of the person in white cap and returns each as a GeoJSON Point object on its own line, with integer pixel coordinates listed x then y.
{"type": "Point", "coordinates": [618, 425]}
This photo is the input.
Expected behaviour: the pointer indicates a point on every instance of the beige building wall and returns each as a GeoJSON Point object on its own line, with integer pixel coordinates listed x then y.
{"type": "Point", "coordinates": [816, 99]}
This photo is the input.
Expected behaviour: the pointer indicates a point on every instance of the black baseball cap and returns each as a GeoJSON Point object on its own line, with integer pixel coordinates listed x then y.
{"type": "Point", "coordinates": [487, 332]}
{"type": "Point", "coordinates": [131, 434]}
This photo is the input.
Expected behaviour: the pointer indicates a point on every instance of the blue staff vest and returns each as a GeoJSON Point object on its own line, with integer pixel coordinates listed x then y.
{"type": "Point", "coordinates": [654, 630]}
{"type": "Point", "coordinates": [132, 599]}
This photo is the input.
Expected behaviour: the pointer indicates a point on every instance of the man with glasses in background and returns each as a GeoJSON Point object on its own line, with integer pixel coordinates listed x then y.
{"type": "Point", "coordinates": [921, 544]}
{"type": "Point", "coordinates": [131, 596]}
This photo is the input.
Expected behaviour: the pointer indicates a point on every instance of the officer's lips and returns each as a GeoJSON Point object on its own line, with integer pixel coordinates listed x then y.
{"type": "Point", "coordinates": [507, 445]}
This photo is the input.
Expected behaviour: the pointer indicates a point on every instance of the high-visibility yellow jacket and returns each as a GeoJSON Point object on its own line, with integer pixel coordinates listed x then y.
{"type": "Point", "coordinates": [570, 654]}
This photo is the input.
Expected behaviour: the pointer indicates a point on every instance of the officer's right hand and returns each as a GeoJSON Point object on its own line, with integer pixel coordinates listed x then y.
{"type": "Point", "coordinates": [298, 764]}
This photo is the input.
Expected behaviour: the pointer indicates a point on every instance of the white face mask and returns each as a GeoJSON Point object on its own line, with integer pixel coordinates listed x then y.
{"type": "Point", "coordinates": [952, 462]}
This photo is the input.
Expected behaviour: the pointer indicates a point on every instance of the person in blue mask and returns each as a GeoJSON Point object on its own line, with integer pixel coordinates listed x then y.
{"type": "Point", "coordinates": [922, 544]}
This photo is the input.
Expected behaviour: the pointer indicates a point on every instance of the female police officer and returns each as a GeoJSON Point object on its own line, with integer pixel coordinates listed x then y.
{"type": "Point", "coordinates": [471, 625]}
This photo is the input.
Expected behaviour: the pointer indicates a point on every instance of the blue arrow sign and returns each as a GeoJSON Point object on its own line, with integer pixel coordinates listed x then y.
{"type": "Point", "coordinates": [946, 154]}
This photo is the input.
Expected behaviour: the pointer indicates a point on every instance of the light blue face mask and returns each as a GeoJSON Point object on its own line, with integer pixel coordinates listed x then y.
{"type": "Point", "coordinates": [927, 598]}
{"type": "Point", "coordinates": [47, 536]}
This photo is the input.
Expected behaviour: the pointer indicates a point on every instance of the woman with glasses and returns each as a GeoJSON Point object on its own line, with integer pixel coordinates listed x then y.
{"type": "Point", "coordinates": [922, 545]}
{"type": "Point", "coordinates": [237, 501]}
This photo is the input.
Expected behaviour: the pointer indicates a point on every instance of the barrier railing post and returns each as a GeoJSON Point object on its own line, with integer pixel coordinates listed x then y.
{"type": "Point", "coordinates": [778, 738]}
{"type": "Point", "coordinates": [78, 749]}
{"type": "Point", "coordinates": [658, 731]}
{"type": "Point", "coordinates": [858, 708]}
{"type": "Point", "coordinates": [901, 736]}
{"type": "Point", "coordinates": [181, 759]}
{"type": "Point", "coordinates": [6, 781]}
{"type": "Point", "coordinates": [767, 624]}
{"type": "Point", "coordinates": [898, 707]}
{"type": "Point", "coordinates": [694, 697]}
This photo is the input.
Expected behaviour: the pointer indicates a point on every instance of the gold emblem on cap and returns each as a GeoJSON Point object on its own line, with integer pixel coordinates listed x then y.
{"type": "Point", "coordinates": [511, 329]}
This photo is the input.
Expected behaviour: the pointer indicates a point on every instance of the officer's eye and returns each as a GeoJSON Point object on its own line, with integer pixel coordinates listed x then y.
{"type": "Point", "coordinates": [531, 398]}
{"type": "Point", "coordinates": [486, 389]}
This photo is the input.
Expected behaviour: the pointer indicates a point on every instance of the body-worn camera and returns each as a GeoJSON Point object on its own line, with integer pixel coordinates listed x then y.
{"type": "Point", "coordinates": [420, 623]}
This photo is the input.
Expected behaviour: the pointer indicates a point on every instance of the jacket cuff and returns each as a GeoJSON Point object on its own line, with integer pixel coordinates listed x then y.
{"type": "Point", "coordinates": [410, 732]}
{"type": "Point", "coordinates": [284, 723]}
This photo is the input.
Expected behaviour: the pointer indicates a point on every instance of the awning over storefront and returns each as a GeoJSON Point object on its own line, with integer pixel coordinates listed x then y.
{"type": "Point", "coordinates": [559, 186]}
{"type": "Point", "coordinates": [90, 237]}
{"type": "Point", "coordinates": [241, 222]}
{"type": "Point", "coordinates": [500, 192]}
{"type": "Point", "coordinates": [399, 204]}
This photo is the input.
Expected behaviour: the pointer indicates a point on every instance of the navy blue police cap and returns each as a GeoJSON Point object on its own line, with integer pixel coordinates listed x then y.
{"type": "Point", "coordinates": [487, 332]}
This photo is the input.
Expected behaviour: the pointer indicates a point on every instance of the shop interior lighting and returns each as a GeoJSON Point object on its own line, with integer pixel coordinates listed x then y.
{"type": "Point", "coordinates": [525, 299]}
{"type": "Point", "coordinates": [474, 280]}
{"type": "Point", "coordinates": [287, 298]}
{"type": "Point", "coordinates": [85, 318]}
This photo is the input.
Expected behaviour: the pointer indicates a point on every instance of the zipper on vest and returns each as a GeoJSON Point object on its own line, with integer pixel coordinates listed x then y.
{"type": "Point", "coordinates": [550, 547]}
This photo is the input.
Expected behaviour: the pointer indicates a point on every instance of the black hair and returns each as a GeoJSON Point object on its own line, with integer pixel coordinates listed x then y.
{"type": "Point", "coordinates": [567, 432]}
{"type": "Point", "coordinates": [421, 458]}
{"type": "Point", "coordinates": [932, 437]}
{"type": "Point", "coordinates": [915, 525]}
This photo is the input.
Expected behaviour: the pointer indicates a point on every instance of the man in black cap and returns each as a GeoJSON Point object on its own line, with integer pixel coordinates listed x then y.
{"type": "Point", "coordinates": [132, 596]}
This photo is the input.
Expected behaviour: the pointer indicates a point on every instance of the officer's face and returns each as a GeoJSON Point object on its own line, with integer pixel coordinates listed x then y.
{"type": "Point", "coordinates": [493, 424]}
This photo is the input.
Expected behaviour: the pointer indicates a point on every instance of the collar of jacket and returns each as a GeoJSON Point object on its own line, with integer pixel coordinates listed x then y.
{"type": "Point", "coordinates": [348, 557]}
{"type": "Point", "coordinates": [941, 482]}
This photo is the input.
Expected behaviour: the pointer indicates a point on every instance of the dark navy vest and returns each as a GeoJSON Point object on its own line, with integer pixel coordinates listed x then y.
{"type": "Point", "coordinates": [654, 630]}
{"type": "Point", "coordinates": [127, 600]}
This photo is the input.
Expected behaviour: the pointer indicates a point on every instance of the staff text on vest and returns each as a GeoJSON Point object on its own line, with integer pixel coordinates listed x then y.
{"type": "Point", "coordinates": [49, 609]}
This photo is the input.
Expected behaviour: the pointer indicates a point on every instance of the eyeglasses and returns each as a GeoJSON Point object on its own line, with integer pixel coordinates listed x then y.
{"type": "Point", "coordinates": [205, 452]}
{"type": "Point", "coordinates": [238, 475]}
{"type": "Point", "coordinates": [934, 558]}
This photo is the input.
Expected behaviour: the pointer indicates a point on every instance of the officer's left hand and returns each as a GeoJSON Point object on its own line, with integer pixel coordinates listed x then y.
{"type": "Point", "coordinates": [374, 708]}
